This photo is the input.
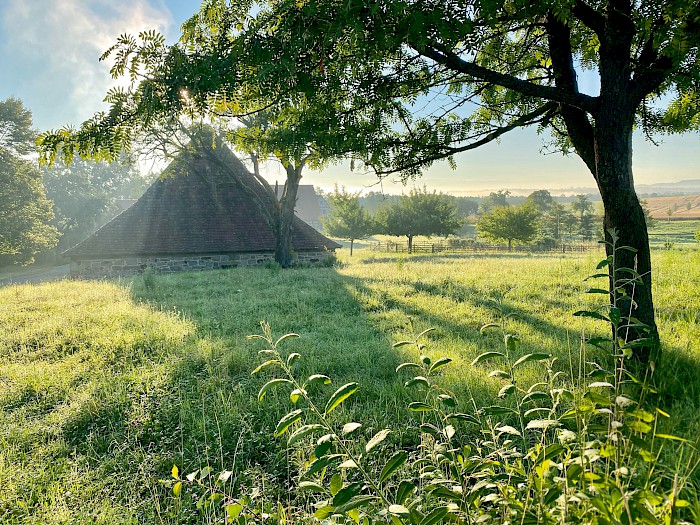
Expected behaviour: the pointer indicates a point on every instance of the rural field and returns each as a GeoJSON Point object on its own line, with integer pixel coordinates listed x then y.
{"type": "Point", "coordinates": [105, 386]}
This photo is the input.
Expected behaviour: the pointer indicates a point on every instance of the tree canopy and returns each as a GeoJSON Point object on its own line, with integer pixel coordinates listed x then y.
{"type": "Point", "coordinates": [25, 213]}
{"type": "Point", "coordinates": [419, 213]}
{"type": "Point", "coordinates": [347, 218]}
{"type": "Point", "coordinates": [509, 223]}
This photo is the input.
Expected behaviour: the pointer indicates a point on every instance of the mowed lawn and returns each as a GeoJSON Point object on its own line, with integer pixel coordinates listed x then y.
{"type": "Point", "coordinates": [104, 386]}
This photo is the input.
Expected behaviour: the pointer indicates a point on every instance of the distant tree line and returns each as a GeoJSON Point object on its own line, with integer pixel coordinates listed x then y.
{"type": "Point", "coordinates": [538, 218]}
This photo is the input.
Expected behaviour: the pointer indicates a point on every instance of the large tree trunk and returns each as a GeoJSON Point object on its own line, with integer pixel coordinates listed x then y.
{"type": "Point", "coordinates": [624, 214]}
{"type": "Point", "coordinates": [285, 222]}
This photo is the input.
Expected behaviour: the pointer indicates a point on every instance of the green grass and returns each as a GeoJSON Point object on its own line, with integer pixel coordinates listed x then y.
{"type": "Point", "coordinates": [679, 233]}
{"type": "Point", "coordinates": [104, 386]}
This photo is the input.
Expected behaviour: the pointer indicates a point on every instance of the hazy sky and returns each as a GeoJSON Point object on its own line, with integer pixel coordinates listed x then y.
{"type": "Point", "coordinates": [49, 52]}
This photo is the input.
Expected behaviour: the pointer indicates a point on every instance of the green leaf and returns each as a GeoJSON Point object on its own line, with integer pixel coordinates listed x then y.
{"type": "Point", "coordinates": [511, 342]}
{"type": "Point", "coordinates": [392, 465]}
{"type": "Point", "coordinates": [527, 358]}
{"type": "Point", "coordinates": [267, 386]}
{"type": "Point", "coordinates": [501, 374]}
{"type": "Point", "coordinates": [296, 394]}
{"type": "Point", "coordinates": [419, 406]}
{"type": "Point", "coordinates": [439, 364]}
{"type": "Point", "coordinates": [311, 486]}
{"type": "Point", "coordinates": [291, 358]}
{"type": "Point", "coordinates": [324, 512]}
{"type": "Point", "coordinates": [175, 472]}
{"type": "Point", "coordinates": [669, 436]}
{"type": "Point", "coordinates": [399, 510]}
{"type": "Point", "coordinates": [542, 424]}
{"type": "Point", "coordinates": [638, 426]}
{"type": "Point", "coordinates": [266, 364]}
{"type": "Point", "coordinates": [487, 355]}
{"type": "Point", "coordinates": [615, 315]}
{"type": "Point", "coordinates": [487, 327]}
{"type": "Point", "coordinates": [349, 428]}
{"type": "Point", "coordinates": [496, 410]}
{"type": "Point", "coordinates": [435, 516]}
{"type": "Point", "coordinates": [287, 421]}
{"type": "Point", "coordinates": [407, 365]}
{"type": "Point", "coordinates": [348, 463]}
{"type": "Point", "coordinates": [507, 429]}
{"type": "Point", "coordinates": [605, 262]}
{"type": "Point", "coordinates": [357, 501]}
{"type": "Point", "coordinates": [285, 337]}
{"type": "Point", "coordinates": [594, 315]}
{"type": "Point", "coordinates": [506, 391]}
{"type": "Point", "coordinates": [302, 432]}
{"type": "Point", "coordinates": [427, 330]}
{"type": "Point", "coordinates": [405, 489]}
{"type": "Point", "coordinates": [378, 438]}
{"type": "Point", "coordinates": [467, 418]}
{"type": "Point", "coordinates": [402, 343]}
{"type": "Point", "coordinates": [598, 290]}
{"type": "Point", "coordinates": [346, 493]}
{"type": "Point", "coordinates": [233, 510]}
{"type": "Point", "coordinates": [336, 483]}
{"type": "Point", "coordinates": [177, 488]}
{"type": "Point", "coordinates": [447, 400]}
{"type": "Point", "coordinates": [322, 463]}
{"type": "Point", "coordinates": [535, 396]}
{"type": "Point", "coordinates": [318, 378]}
{"type": "Point", "coordinates": [417, 381]}
{"type": "Point", "coordinates": [340, 395]}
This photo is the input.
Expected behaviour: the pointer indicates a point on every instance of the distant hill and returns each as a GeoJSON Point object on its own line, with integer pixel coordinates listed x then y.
{"type": "Point", "coordinates": [675, 208]}
{"type": "Point", "coordinates": [684, 187]}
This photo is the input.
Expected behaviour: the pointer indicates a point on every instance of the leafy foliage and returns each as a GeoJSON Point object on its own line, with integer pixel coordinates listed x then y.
{"type": "Point", "coordinates": [419, 213]}
{"type": "Point", "coordinates": [347, 218]}
{"type": "Point", "coordinates": [25, 214]}
{"type": "Point", "coordinates": [509, 223]}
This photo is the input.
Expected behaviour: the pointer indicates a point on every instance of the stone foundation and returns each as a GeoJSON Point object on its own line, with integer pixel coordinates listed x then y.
{"type": "Point", "coordinates": [129, 266]}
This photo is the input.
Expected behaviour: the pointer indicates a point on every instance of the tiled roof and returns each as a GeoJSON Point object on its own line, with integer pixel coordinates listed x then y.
{"type": "Point", "coordinates": [194, 209]}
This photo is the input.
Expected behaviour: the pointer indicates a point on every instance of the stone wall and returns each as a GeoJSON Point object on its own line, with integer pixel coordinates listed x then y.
{"type": "Point", "coordinates": [128, 266]}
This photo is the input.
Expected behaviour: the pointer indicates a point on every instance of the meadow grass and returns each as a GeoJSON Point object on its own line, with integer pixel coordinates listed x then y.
{"type": "Point", "coordinates": [679, 233]}
{"type": "Point", "coordinates": [104, 386]}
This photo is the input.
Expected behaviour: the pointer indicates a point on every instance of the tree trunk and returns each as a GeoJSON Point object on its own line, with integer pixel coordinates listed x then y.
{"type": "Point", "coordinates": [624, 214]}
{"type": "Point", "coordinates": [285, 222]}
{"type": "Point", "coordinates": [351, 243]}
{"type": "Point", "coordinates": [410, 243]}
{"type": "Point", "coordinates": [510, 244]}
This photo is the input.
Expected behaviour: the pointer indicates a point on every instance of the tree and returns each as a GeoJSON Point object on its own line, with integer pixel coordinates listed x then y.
{"type": "Point", "coordinates": [509, 223]}
{"type": "Point", "coordinates": [25, 214]}
{"type": "Point", "coordinates": [400, 84]}
{"type": "Point", "coordinates": [495, 199]}
{"type": "Point", "coordinates": [347, 219]}
{"type": "Point", "coordinates": [541, 199]}
{"type": "Point", "coordinates": [553, 220]}
{"type": "Point", "coordinates": [84, 195]}
{"type": "Point", "coordinates": [419, 213]}
{"type": "Point", "coordinates": [583, 206]}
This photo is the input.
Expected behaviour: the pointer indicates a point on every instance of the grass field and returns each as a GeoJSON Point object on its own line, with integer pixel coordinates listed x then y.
{"type": "Point", "coordinates": [678, 233]}
{"type": "Point", "coordinates": [104, 386]}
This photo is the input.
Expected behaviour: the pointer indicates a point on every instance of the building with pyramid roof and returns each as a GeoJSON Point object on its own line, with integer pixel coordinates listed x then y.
{"type": "Point", "coordinates": [194, 217]}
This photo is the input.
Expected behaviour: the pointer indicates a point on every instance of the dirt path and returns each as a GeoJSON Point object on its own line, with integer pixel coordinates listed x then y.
{"type": "Point", "coordinates": [50, 274]}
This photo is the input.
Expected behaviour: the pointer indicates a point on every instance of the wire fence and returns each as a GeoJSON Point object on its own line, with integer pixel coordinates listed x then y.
{"type": "Point", "coordinates": [471, 246]}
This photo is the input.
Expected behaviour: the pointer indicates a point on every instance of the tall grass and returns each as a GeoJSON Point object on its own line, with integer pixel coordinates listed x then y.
{"type": "Point", "coordinates": [103, 387]}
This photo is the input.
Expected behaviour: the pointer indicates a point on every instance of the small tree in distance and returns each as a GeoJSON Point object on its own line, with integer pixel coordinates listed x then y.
{"type": "Point", "coordinates": [509, 223]}
{"type": "Point", "coordinates": [419, 213]}
{"type": "Point", "coordinates": [347, 218]}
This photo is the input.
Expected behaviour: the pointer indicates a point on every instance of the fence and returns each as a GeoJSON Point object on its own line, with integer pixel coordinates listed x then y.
{"type": "Point", "coordinates": [470, 246]}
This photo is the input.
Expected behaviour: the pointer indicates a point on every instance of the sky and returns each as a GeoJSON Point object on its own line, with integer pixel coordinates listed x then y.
{"type": "Point", "coordinates": [49, 58]}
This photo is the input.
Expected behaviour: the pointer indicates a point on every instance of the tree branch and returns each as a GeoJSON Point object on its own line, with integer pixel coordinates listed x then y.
{"type": "Point", "coordinates": [456, 63]}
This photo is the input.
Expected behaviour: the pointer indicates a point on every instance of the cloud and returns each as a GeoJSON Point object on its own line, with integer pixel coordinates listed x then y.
{"type": "Point", "coordinates": [53, 47]}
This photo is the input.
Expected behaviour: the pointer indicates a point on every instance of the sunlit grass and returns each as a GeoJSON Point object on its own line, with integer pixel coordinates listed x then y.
{"type": "Point", "coordinates": [104, 386]}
